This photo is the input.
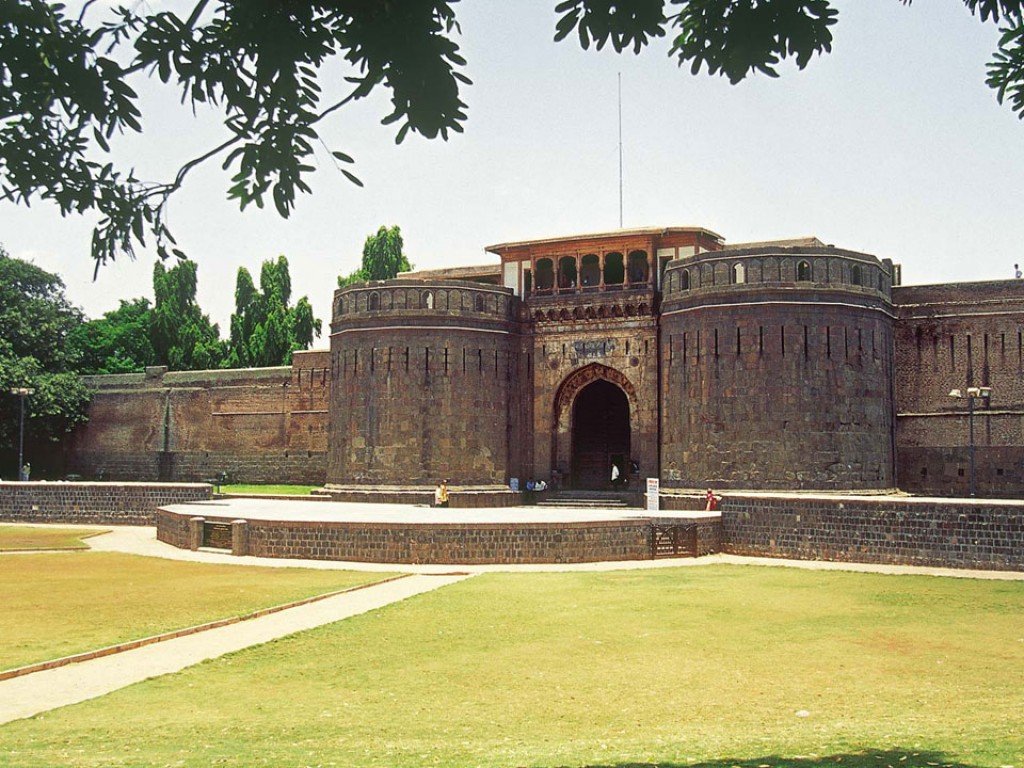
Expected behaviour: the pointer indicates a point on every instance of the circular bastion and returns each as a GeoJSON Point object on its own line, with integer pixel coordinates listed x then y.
{"type": "Point", "coordinates": [777, 370]}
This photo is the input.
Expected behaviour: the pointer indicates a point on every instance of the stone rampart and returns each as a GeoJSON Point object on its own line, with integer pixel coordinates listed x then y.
{"type": "Point", "coordinates": [953, 337]}
{"type": "Point", "coordinates": [257, 425]}
{"type": "Point", "coordinates": [93, 503]}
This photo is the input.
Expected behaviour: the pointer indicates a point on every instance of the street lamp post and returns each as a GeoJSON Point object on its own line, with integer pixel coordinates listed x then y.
{"type": "Point", "coordinates": [972, 394]}
{"type": "Point", "coordinates": [22, 393]}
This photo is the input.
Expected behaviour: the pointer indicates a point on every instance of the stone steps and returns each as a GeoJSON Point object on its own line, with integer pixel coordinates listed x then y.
{"type": "Point", "coordinates": [588, 500]}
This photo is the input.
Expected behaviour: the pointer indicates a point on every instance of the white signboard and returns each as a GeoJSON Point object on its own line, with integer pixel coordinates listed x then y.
{"type": "Point", "coordinates": [653, 494]}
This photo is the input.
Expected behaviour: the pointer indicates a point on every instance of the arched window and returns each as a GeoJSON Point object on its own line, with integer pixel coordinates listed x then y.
{"type": "Point", "coordinates": [855, 274]}
{"type": "Point", "coordinates": [638, 269]}
{"type": "Point", "coordinates": [739, 274]}
{"type": "Point", "coordinates": [590, 271]}
{"type": "Point", "coordinates": [614, 270]}
{"type": "Point", "coordinates": [545, 275]}
{"type": "Point", "coordinates": [428, 300]}
{"type": "Point", "coordinates": [803, 271]}
{"type": "Point", "coordinates": [478, 303]}
{"type": "Point", "coordinates": [567, 273]}
{"type": "Point", "coordinates": [374, 301]}
{"type": "Point", "coordinates": [684, 280]}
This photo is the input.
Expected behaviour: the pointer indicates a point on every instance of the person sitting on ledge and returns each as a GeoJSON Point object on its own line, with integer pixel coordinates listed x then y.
{"type": "Point", "coordinates": [441, 494]}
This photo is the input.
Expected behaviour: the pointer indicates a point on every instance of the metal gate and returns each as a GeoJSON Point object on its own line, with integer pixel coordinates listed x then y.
{"type": "Point", "coordinates": [673, 540]}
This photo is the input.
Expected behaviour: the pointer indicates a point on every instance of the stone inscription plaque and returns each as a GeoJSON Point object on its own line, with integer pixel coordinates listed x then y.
{"type": "Point", "coordinates": [217, 535]}
{"type": "Point", "coordinates": [585, 349]}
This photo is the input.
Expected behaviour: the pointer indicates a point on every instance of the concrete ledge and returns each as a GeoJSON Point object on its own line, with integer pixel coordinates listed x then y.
{"type": "Point", "coordinates": [472, 497]}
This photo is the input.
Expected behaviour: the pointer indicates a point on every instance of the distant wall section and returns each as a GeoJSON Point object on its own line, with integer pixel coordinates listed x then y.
{"type": "Point", "coordinates": [953, 337]}
{"type": "Point", "coordinates": [257, 425]}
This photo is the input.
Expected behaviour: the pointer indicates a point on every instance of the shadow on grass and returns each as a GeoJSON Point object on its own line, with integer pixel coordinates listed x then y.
{"type": "Point", "coordinates": [870, 758]}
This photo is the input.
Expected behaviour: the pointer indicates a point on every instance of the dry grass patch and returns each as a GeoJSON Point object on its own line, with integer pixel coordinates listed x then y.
{"type": "Point", "coordinates": [15, 538]}
{"type": "Point", "coordinates": [715, 667]}
{"type": "Point", "coordinates": [60, 604]}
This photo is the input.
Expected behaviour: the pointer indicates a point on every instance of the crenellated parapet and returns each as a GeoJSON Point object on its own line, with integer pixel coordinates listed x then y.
{"type": "Point", "coordinates": [702, 277]}
{"type": "Point", "coordinates": [404, 298]}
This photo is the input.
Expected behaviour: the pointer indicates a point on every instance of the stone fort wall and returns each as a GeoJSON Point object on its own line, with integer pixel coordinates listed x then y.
{"type": "Point", "coordinates": [954, 337]}
{"type": "Point", "coordinates": [755, 368]}
{"type": "Point", "coordinates": [257, 425]}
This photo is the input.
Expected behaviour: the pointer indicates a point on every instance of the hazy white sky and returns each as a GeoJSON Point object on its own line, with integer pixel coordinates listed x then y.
{"type": "Point", "coordinates": [891, 145]}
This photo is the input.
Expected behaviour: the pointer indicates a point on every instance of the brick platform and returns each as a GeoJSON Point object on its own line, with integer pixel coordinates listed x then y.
{"type": "Point", "coordinates": [407, 534]}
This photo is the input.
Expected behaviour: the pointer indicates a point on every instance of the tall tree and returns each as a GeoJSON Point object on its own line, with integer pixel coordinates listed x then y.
{"type": "Point", "coordinates": [35, 322]}
{"type": "Point", "coordinates": [64, 82]}
{"type": "Point", "coordinates": [183, 337]}
{"type": "Point", "coordinates": [265, 329]}
{"type": "Point", "coordinates": [118, 342]}
{"type": "Point", "coordinates": [383, 258]}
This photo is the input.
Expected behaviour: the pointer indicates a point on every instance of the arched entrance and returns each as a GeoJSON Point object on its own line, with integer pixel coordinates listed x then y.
{"type": "Point", "coordinates": [600, 435]}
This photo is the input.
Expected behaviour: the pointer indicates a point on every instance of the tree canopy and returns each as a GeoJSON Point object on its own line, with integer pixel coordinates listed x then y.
{"type": "Point", "coordinates": [183, 337]}
{"type": "Point", "coordinates": [118, 342]}
{"type": "Point", "coordinates": [383, 258]}
{"type": "Point", "coordinates": [65, 83]}
{"type": "Point", "coordinates": [36, 320]}
{"type": "Point", "coordinates": [265, 328]}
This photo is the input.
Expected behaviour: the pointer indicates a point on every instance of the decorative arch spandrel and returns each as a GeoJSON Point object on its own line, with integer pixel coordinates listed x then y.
{"type": "Point", "coordinates": [588, 374]}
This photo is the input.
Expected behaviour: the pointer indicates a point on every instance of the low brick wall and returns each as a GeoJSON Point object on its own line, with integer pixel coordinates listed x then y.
{"type": "Point", "coordinates": [442, 543]}
{"type": "Point", "coordinates": [952, 533]}
{"type": "Point", "coordinates": [93, 503]}
{"type": "Point", "coordinates": [174, 529]}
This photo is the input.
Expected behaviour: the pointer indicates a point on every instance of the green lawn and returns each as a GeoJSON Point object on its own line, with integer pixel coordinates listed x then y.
{"type": "Point", "coordinates": [59, 604]}
{"type": "Point", "coordinates": [715, 666]}
{"type": "Point", "coordinates": [274, 490]}
{"type": "Point", "coordinates": [27, 537]}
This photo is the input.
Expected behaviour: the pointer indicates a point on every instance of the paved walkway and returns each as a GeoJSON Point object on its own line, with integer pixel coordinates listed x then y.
{"type": "Point", "coordinates": [41, 691]}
